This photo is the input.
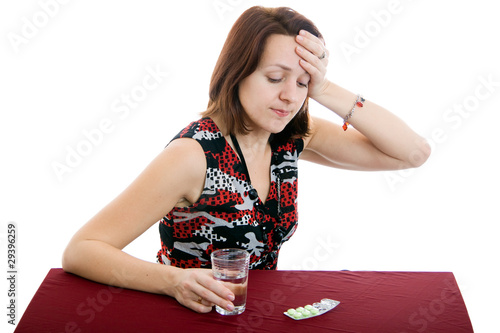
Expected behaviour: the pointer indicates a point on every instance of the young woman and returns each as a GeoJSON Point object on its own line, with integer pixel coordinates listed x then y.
{"type": "Point", "coordinates": [229, 179]}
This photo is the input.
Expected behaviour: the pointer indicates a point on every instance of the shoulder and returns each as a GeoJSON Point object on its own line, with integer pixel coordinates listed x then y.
{"type": "Point", "coordinates": [180, 168]}
{"type": "Point", "coordinates": [184, 154]}
{"type": "Point", "coordinates": [183, 160]}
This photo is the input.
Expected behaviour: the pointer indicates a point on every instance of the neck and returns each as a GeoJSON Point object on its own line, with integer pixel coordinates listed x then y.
{"type": "Point", "coordinates": [254, 141]}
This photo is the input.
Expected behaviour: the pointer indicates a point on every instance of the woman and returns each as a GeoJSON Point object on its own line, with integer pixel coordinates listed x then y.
{"type": "Point", "coordinates": [230, 178]}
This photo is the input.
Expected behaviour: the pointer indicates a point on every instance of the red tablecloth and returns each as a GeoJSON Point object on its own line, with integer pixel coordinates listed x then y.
{"type": "Point", "coordinates": [370, 302]}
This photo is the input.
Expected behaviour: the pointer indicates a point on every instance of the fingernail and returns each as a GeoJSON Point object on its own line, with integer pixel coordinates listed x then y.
{"type": "Point", "coordinates": [300, 38]}
{"type": "Point", "coordinates": [230, 307]}
{"type": "Point", "coordinates": [231, 297]}
{"type": "Point", "coordinates": [302, 32]}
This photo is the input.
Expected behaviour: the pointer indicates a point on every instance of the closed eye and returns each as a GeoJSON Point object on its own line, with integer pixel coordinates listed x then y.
{"type": "Point", "coordinates": [270, 79]}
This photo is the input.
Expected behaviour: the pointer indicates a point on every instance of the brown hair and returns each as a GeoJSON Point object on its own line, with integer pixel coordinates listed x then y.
{"type": "Point", "coordinates": [240, 57]}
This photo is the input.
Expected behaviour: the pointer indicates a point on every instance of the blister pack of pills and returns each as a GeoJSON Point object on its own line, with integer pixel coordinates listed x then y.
{"type": "Point", "coordinates": [310, 311]}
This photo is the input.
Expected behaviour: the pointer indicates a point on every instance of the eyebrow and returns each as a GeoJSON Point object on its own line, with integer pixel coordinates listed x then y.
{"type": "Point", "coordinates": [286, 68]}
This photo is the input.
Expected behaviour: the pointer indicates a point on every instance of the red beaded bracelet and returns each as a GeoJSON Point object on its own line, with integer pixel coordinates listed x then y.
{"type": "Point", "coordinates": [359, 103]}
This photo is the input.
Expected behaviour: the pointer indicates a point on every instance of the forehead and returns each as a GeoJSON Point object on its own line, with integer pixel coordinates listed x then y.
{"type": "Point", "coordinates": [280, 50]}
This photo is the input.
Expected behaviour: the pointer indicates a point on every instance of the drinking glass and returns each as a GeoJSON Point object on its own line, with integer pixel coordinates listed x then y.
{"type": "Point", "coordinates": [230, 266]}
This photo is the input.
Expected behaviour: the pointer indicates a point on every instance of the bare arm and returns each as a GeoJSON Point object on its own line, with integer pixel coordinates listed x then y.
{"type": "Point", "coordinates": [377, 140]}
{"type": "Point", "coordinates": [95, 251]}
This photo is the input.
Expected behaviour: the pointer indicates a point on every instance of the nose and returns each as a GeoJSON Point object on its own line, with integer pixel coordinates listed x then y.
{"type": "Point", "coordinates": [288, 92]}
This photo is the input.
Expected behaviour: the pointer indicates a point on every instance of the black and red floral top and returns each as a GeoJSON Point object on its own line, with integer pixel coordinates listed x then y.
{"type": "Point", "coordinates": [229, 212]}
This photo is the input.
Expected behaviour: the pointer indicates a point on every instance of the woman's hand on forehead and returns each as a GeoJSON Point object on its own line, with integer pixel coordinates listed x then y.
{"type": "Point", "coordinates": [314, 60]}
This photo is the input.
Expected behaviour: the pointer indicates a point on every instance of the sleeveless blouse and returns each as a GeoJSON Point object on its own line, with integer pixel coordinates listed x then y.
{"type": "Point", "coordinates": [229, 213]}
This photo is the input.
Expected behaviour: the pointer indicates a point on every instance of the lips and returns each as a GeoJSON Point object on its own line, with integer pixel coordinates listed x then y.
{"type": "Point", "coordinates": [281, 113]}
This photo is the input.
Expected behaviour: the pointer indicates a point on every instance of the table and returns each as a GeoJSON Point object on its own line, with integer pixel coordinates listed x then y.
{"type": "Point", "coordinates": [400, 302]}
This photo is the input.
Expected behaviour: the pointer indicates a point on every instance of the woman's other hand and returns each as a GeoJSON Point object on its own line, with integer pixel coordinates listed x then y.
{"type": "Point", "coordinates": [196, 288]}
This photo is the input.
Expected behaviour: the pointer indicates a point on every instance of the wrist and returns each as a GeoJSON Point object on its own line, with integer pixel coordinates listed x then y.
{"type": "Point", "coordinates": [336, 99]}
{"type": "Point", "coordinates": [322, 92]}
{"type": "Point", "coordinates": [168, 279]}
{"type": "Point", "coordinates": [359, 103]}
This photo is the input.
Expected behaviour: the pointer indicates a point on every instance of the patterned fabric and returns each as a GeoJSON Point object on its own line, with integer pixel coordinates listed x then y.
{"type": "Point", "coordinates": [228, 213]}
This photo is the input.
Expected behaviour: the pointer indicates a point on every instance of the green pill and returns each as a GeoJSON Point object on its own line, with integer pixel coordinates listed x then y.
{"type": "Point", "coordinates": [309, 311]}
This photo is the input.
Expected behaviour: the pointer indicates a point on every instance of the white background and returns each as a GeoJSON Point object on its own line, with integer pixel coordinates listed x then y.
{"type": "Point", "coordinates": [425, 61]}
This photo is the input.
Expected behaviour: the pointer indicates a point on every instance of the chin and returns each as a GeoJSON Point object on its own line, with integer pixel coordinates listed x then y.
{"type": "Point", "coordinates": [278, 130]}
{"type": "Point", "coordinates": [276, 126]}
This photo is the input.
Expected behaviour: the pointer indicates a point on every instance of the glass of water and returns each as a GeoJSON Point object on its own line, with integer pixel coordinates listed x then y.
{"type": "Point", "coordinates": [230, 266]}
